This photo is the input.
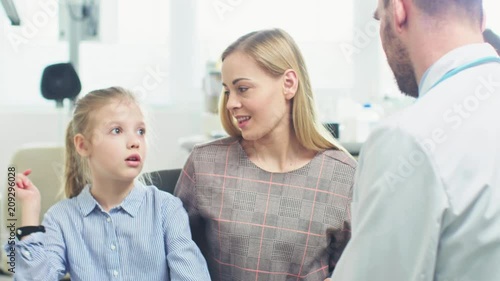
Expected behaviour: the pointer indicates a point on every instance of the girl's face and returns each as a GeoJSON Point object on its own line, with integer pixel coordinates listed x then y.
{"type": "Point", "coordinates": [255, 99]}
{"type": "Point", "coordinates": [118, 146]}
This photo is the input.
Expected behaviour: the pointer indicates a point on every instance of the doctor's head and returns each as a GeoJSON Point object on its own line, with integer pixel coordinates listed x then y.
{"type": "Point", "coordinates": [408, 27]}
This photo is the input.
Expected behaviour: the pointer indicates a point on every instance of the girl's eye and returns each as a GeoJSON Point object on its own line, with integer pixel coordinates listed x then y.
{"type": "Point", "coordinates": [242, 89]}
{"type": "Point", "coordinates": [116, 131]}
{"type": "Point", "coordinates": [141, 131]}
{"type": "Point", "coordinates": [226, 92]}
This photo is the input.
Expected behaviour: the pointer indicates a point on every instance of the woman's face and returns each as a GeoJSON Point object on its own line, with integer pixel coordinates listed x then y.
{"type": "Point", "coordinates": [255, 99]}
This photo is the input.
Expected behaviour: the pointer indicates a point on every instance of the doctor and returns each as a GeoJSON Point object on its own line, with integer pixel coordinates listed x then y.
{"type": "Point", "coordinates": [427, 189]}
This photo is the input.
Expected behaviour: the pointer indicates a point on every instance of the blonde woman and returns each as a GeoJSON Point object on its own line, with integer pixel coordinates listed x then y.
{"type": "Point", "coordinates": [271, 201]}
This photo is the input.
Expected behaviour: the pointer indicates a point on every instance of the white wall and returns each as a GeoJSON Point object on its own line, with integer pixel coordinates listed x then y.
{"type": "Point", "coordinates": [136, 42]}
{"type": "Point", "coordinates": [47, 126]}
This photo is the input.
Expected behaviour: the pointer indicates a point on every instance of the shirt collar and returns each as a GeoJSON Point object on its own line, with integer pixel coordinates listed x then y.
{"type": "Point", "coordinates": [453, 59]}
{"type": "Point", "coordinates": [130, 204]}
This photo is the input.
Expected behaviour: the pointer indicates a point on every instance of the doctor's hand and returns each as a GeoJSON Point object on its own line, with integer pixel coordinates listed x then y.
{"type": "Point", "coordinates": [30, 199]}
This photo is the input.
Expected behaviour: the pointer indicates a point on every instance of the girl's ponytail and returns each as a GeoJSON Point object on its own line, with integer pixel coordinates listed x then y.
{"type": "Point", "coordinates": [74, 175]}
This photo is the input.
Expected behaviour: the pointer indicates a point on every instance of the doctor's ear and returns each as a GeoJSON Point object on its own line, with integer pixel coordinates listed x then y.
{"type": "Point", "coordinates": [399, 9]}
{"type": "Point", "coordinates": [290, 83]}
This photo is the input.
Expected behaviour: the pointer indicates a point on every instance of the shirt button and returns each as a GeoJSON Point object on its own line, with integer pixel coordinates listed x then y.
{"type": "Point", "coordinates": [115, 273]}
{"type": "Point", "coordinates": [26, 254]}
{"type": "Point", "coordinates": [113, 247]}
{"type": "Point", "coordinates": [108, 219]}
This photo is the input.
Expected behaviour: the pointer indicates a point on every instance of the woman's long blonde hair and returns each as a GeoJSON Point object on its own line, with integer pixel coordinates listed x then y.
{"type": "Point", "coordinates": [275, 52]}
{"type": "Point", "coordinates": [77, 172]}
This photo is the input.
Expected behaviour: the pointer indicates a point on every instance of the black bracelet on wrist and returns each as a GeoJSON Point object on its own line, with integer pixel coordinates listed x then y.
{"type": "Point", "coordinates": [27, 230]}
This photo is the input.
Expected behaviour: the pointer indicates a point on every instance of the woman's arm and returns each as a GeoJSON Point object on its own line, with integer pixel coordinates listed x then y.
{"type": "Point", "coordinates": [186, 191]}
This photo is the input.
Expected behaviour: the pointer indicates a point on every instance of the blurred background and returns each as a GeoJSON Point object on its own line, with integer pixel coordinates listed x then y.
{"type": "Point", "coordinates": [168, 52]}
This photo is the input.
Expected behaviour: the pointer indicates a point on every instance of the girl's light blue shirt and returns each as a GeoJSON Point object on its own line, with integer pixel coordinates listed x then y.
{"type": "Point", "coordinates": [146, 237]}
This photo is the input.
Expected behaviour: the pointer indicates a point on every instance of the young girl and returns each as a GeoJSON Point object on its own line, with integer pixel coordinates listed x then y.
{"type": "Point", "coordinates": [111, 227]}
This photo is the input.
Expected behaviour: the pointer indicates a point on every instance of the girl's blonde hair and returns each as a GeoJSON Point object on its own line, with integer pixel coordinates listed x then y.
{"type": "Point", "coordinates": [77, 172]}
{"type": "Point", "coordinates": [275, 52]}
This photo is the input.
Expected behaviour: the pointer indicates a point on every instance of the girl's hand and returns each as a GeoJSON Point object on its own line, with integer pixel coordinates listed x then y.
{"type": "Point", "coordinates": [30, 199]}
{"type": "Point", "coordinates": [26, 191]}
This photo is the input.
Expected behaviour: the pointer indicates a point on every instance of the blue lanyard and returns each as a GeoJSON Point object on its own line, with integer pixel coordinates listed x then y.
{"type": "Point", "coordinates": [454, 71]}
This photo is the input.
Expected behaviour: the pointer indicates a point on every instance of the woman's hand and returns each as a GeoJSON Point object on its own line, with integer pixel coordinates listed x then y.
{"type": "Point", "coordinates": [30, 199]}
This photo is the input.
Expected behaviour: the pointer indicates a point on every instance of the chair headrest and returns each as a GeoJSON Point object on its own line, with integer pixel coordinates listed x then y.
{"type": "Point", "coordinates": [60, 81]}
